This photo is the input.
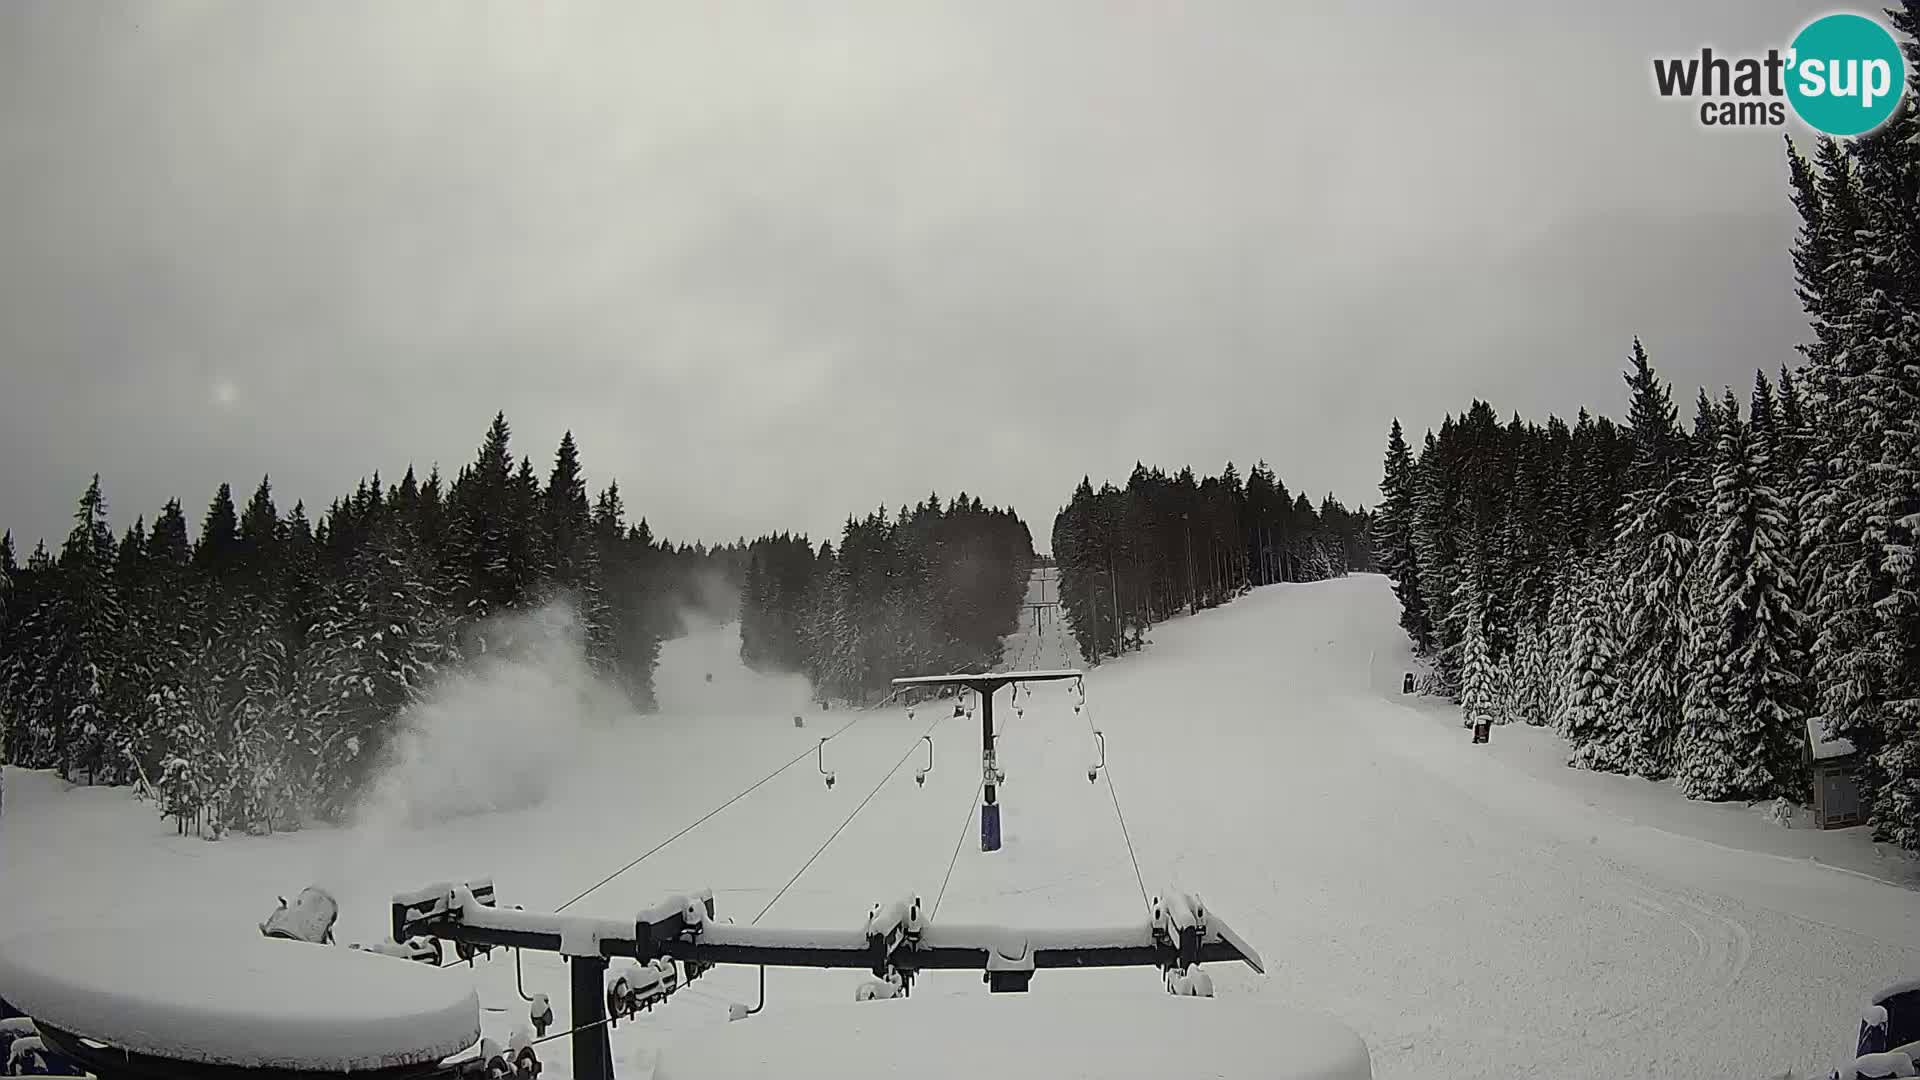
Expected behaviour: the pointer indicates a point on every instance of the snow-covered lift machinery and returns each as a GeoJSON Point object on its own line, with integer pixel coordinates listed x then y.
{"type": "Point", "coordinates": [895, 942]}
{"type": "Point", "coordinates": [986, 685]}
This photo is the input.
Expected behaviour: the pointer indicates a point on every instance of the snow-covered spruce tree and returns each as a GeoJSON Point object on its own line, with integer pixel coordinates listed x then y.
{"type": "Point", "coordinates": [842, 666]}
{"type": "Point", "coordinates": [1072, 547]}
{"type": "Point", "coordinates": [1437, 547]}
{"type": "Point", "coordinates": [28, 652]}
{"type": "Point", "coordinates": [1528, 687]}
{"type": "Point", "coordinates": [86, 651]}
{"type": "Point", "coordinates": [578, 574]}
{"type": "Point", "coordinates": [1320, 564]}
{"type": "Point", "coordinates": [1885, 330]}
{"type": "Point", "coordinates": [1742, 730]}
{"type": "Point", "coordinates": [1856, 263]}
{"type": "Point", "coordinates": [1557, 637]}
{"type": "Point", "coordinates": [1655, 551]}
{"type": "Point", "coordinates": [1479, 676]}
{"type": "Point", "coordinates": [1393, 539]}
{"type": "Point", "coordinates": [160, 614]}
{"type": "Point", "coordinates": [9, 570]}
{"type": "Point", "coordinates": [1593, 722]}
{"type": "Point", "coordinates": [376, 647]}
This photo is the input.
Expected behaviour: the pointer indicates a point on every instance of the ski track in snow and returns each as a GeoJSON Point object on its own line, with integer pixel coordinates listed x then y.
{"type": "Point", "coordinates": [1467, 916]}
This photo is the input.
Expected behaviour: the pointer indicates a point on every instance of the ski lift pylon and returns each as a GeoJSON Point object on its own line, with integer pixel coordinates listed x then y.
{"type": "Point", "coordinates": [985, 685]}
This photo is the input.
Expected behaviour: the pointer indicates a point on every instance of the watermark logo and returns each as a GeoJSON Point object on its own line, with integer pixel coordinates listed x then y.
{"type": "Point", "coordinates": [1842, 75]}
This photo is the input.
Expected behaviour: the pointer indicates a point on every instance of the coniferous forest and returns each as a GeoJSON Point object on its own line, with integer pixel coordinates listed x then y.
{"type": "Point", "coordinates": [247, 671]}
{"type": "Point", "coordinates": [1131, 557]}
{"type": "Point", "coordinates": [931, 590]}
{"type": "Point", "coordinates": [1680, 599]}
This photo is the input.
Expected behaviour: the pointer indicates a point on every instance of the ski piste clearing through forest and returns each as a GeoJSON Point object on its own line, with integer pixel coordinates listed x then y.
{"type": "Point", "coordinates": [1466, 914]}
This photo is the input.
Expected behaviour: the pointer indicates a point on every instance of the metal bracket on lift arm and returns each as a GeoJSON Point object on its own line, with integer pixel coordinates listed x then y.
{"type": "Point", "coordinates": [897, 942]}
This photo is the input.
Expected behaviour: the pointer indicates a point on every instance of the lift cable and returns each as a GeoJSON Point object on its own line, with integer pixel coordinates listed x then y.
{"type": "Point", "coordinates": [1107, 771]}
{"type": "Point", "coordinates": [709, 815]}
{"type": "Point", "coordinates": [915, 745]}
{"type": "Point", "coordinates": [973, 804]}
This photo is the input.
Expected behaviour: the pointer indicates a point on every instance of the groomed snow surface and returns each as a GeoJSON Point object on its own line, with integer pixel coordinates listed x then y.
{"type": "Point", "coordinates": [1048, 1037]}
{"type": "Point", "coordinates": [1469, 910]}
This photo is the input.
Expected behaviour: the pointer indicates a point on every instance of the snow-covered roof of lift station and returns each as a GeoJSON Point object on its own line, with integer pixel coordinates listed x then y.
{"type": "Point", "coordinates": [1032, 1036]}
{"type": "Point", "coordinates": [229, 997]}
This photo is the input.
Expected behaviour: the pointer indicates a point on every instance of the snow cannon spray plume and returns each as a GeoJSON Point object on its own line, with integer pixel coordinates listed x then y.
{"type": "Point", "coordinates": [498, 732]}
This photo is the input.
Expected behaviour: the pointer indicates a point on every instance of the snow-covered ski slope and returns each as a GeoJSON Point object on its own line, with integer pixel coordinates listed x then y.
{"type": "Point", "coordinates": [1471, 911]}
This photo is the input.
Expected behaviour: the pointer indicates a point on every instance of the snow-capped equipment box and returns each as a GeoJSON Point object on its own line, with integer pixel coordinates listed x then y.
{"type": "Point", "coordinates": [163, 1003]}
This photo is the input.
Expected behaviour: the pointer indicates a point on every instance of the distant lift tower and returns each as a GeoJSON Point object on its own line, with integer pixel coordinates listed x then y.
{"type": "Point", "coordinates": [986, 685]}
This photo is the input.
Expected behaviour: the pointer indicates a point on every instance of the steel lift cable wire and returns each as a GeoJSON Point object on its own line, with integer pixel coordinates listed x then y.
{"type": "Point", "coordinates": [1107, 771]}
{"type": "Point", "coordinates": [737, 796]}
{"type": "Point", "coordinates": [915, 745]}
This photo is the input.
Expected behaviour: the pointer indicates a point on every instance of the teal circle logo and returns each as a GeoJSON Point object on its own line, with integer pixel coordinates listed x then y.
{"type": "Point", "coordinates": [1846, 74]}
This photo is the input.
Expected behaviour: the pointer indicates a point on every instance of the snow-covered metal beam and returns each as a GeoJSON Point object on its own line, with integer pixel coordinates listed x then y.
{"type": "Point", "coordinates": [996, 678]}
{"type": "Point", "coordinates": [682, 928]}
{"type": "Point", "coordinates": [895, 941]}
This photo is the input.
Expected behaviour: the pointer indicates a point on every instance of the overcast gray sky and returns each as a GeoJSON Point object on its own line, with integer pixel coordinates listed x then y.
{"type": "Point", "coordinates": [777, 263]}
